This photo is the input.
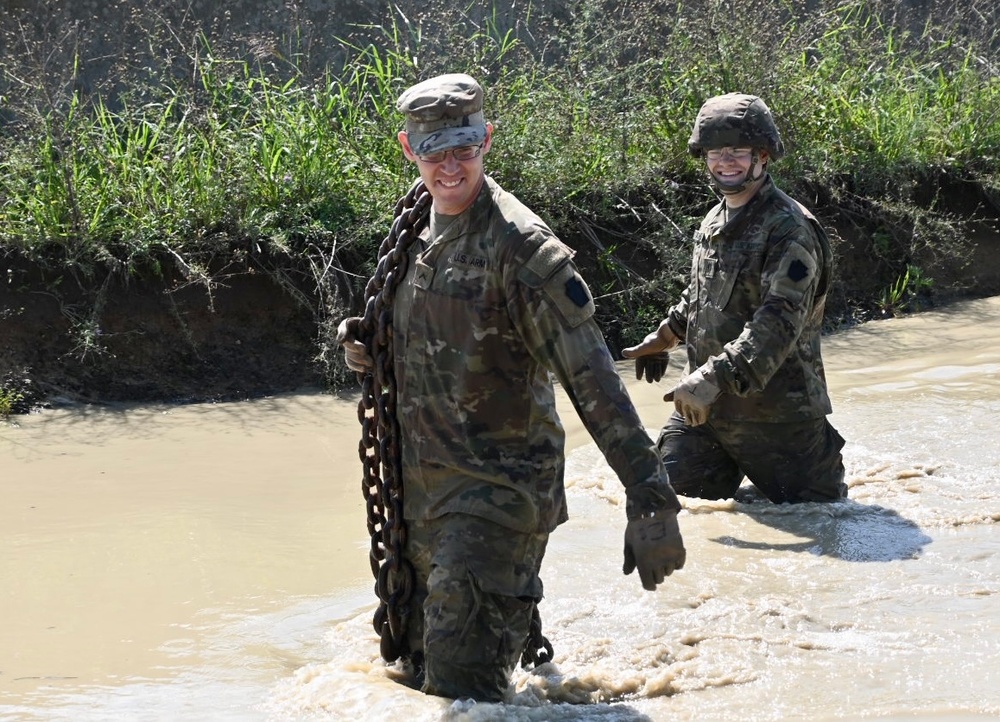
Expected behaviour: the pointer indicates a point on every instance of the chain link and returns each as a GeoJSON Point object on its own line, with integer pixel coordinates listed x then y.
{"type": "Point", "coordinates": [537, 649]}
{"type": "Point", "coordinates": [379, 449]}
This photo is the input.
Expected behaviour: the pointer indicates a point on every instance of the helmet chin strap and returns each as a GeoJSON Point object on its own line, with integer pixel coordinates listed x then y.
{"type": "Point", "coordinates": [731, 190]}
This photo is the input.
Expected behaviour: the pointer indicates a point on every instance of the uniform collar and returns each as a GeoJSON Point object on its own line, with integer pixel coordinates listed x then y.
{"type": "Point", "coordinates": [738, 222]}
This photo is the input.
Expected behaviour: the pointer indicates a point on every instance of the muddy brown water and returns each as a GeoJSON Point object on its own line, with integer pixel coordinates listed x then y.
{"type": "Point", "coordinates": [209, 562]}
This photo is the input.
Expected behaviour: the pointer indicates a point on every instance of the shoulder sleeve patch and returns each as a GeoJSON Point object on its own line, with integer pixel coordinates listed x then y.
{"type": "Point", "coordinates": [797, 270]}
{"type": "Point", "coordinates": [568, 294]}
{"type": "Point", "coordinates": [795, 275]}
{"type": "Point", "coordinates": [577, 292]}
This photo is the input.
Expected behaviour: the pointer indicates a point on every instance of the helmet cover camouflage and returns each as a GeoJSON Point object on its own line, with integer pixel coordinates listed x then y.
{"type": "Point", "coordinates": [736, 120]}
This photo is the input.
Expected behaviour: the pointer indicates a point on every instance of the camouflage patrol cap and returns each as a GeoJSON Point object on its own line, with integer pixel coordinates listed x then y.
{"type": "Point", "coordinates": [736, 120]}
{"type": "Point", "coordinates": [443, 112]}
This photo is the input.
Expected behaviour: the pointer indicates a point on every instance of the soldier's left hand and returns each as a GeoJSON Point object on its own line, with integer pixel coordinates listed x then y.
{"type": "Point", "coordinates": [653, 544]}
{"type": "Point", "coordinates": [693, 397]}
{"type": "Point", "coordinates": [652, 366]}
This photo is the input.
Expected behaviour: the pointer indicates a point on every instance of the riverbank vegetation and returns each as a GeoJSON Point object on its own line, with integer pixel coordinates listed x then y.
{"type": "Point", "coordinates": [216, 160]}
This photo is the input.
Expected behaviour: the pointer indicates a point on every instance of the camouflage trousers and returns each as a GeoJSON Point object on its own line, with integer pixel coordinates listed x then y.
{"type": "Point", "coordinates": [788, 462]}
{"type": "Point", "coordinates": [476, 588]}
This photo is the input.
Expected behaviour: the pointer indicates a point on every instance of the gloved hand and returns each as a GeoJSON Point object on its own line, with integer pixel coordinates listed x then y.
{"type": "Point", "coordinates": [653, 544]}
{"type": "Point", "coordinates": [693, 397]}
{"type": "Point", "coordinates": [652, 366]}
{"type": "Point", "coordinates": [355, 353]}
{"type": "Point", "coordinates": [651, 355]}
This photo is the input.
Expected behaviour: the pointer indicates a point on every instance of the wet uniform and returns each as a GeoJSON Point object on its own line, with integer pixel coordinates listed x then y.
{"type": "Point", "coordinates": [752, 313]}
{"type": "Point", "coordinates": [490, 308]}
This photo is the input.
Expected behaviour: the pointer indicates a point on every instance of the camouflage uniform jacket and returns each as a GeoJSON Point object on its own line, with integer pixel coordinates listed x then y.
{"type": "Point", "coordinates": [485, 311]}
{"type": "Point", "coordinates": [753, 309]}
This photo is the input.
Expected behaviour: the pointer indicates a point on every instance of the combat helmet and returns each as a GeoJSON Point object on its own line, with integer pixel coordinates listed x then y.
{"type": "Point", "coordinates": [737, 120]}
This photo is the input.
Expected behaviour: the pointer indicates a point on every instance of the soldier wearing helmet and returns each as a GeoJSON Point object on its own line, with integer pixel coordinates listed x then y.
{"type": "Point", "coordinates": [753, 400]}
{"type": "Point", "coordinates": [738, 122]}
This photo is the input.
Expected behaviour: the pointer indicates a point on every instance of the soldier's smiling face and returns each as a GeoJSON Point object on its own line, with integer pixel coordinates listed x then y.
{"type": "Point", "coordinates": [729, 165]}
{"type": "Point", "coordinates": [738, 171]}
{"type": "Point", "coordinates": [453, 184]}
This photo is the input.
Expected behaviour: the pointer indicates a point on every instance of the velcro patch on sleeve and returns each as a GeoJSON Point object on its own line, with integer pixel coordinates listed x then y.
{"type": "Point", "coordinates": [797, 270]}
{"type": "Point", "coordinates": [546, 260]}
{"type": "Point", "coordinates": [796, 274]}
{"type": "Point", "coordinates": [569, 294]}
{"type": "Point", "coordinates": [577, 291]}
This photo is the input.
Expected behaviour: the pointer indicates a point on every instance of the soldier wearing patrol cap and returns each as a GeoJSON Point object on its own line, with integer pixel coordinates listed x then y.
{"type": "Point", "coordinates": [491, 307]}
{"type": "Point", "coordinates": [753, 401]}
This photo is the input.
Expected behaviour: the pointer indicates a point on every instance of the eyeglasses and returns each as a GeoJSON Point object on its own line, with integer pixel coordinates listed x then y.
{"type": "Point", "coordinates": [735, 153]}
{"type": "Point", "coordinates": [465, 152]}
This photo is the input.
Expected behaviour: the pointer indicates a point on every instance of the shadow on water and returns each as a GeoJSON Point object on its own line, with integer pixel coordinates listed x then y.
{"type": "Point", "coordinates": [845, 530]}
{"type": "Point", "coordinates": [561, 712]}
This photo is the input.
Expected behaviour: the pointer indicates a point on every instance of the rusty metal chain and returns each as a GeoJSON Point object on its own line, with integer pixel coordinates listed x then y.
{"type": "Point", "coordinates": [379, 449]}
{"type": "Point", "coordinates": [537, 649]}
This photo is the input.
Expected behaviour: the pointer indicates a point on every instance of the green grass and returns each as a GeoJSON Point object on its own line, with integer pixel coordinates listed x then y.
{"type": "Point", "coordinates": [12, 400]}
{"type": "Point", "coordinates": [8, 403]}
{"type": "Point", "coordinates": [235, 158]}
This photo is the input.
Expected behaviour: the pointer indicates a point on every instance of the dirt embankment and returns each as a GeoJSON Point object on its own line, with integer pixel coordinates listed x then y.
{"type": "Point", "coordinates": [154, 339]}
{"type": "Point", "coordinates": [247, 334]}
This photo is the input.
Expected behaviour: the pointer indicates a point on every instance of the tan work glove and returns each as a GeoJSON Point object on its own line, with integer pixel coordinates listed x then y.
{"type": "Point", "coordinates": [355, 353]}
{"type": "Point", "coordinates": [693, 397]}
{"type": "Point", "coordinates": [651, 355]}
{"type": "Point", "coordinates": [653, 545]}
